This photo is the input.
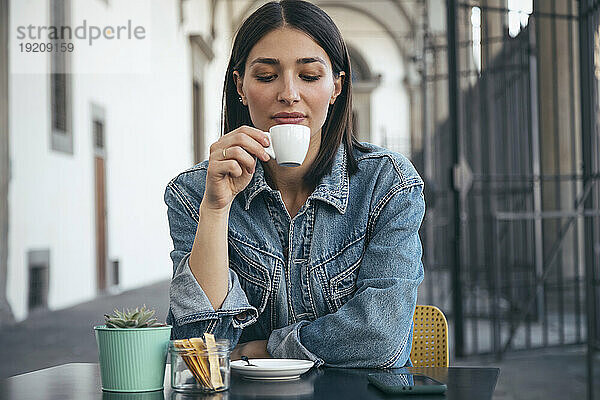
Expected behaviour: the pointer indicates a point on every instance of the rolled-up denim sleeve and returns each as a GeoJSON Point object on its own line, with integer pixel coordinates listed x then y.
{"type": "Point", "coordinates": [374, 328]}
{"type": "Point", "coordinates": [190, 311]}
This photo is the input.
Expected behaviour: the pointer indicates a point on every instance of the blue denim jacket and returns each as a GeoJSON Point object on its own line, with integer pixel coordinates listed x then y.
{"type": "Point", "coordinates": [336, 284]}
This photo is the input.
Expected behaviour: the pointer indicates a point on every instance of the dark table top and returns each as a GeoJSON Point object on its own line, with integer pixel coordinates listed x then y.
{"type": "Point", "coordinates": [82, 382]}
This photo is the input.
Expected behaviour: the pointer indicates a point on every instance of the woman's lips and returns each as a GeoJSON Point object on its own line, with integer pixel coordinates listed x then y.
{"type": "Point", "coordinates": [289, 120]}
{"type": "Point", "coordinates": [289, 117]}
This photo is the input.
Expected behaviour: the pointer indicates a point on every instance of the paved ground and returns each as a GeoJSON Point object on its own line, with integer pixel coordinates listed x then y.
{"type": "Point", "coordinates": [64, 336]}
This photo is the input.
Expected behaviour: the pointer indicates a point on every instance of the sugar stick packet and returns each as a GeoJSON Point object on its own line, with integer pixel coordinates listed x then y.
{"type": "Point", "coordinates": [215, 372]}
{"type": "Point", "coordinates": [201, 350]}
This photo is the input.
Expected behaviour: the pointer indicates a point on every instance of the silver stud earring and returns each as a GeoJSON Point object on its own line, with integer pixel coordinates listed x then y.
{"type": "Point", "coordinates": [241, 100]}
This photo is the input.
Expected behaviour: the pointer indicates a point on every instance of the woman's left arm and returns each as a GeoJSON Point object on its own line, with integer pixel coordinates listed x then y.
{"type": "Point", "coordinates": [374, 328]}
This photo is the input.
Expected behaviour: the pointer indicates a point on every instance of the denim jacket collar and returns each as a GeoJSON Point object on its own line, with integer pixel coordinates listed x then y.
{"type": "Point", "coordinates": [333, 188]}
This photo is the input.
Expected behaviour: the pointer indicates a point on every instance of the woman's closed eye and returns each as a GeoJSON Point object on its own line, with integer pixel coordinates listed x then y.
{"type": "Point", "coordinates": [266, 78]}
{"type": "Point", "coordinates": [269, 78]}
{"type": "Point", "coordinates": [310, 77]}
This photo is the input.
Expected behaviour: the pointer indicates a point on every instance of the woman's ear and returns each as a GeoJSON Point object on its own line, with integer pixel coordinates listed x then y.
{"type": "Point", "coordinates": [239, 83]}
{"type": "Point", "coordinates": [337, 86]}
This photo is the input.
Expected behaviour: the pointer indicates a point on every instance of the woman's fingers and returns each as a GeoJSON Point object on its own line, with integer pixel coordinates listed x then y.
{"type": "Point", "coordinates": [235, 153]}
{"type": "Point", "coordinates": [240, 155]}
{"type": "Point", "coordinates": [250, 139]}
{"type": "Point", "coordinates": [227, 167]}
{"type": "Point", "coordinates": [254, 133]}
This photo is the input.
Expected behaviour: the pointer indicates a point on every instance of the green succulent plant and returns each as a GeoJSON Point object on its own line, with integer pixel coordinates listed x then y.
{"type": "Point", "coordinates": [138, 318]}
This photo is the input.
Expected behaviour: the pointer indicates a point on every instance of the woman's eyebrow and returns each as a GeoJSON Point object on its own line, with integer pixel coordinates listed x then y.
{"type": "Point", "coordinates": [264, 60]}
{"type": "Point", "coordinates": [274, 61]}
{"type": "Point", "coordinates": [308, 60]}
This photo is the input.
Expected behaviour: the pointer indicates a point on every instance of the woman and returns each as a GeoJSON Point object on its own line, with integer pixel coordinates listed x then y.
{"type": "Point", "coordinates": [320, 261]}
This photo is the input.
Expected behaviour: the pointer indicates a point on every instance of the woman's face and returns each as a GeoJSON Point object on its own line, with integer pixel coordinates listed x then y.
{"type": "Point", "coordinates": [288, 80]}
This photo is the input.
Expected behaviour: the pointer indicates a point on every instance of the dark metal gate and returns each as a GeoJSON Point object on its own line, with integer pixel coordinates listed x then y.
{"type": "Point", "coordinates": [512, 164]}
{"type": "Point", "coordinates": [589, 38]}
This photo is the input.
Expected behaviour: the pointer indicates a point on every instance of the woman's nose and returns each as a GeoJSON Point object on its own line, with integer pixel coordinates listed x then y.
{"type": "Point", "coordinates": [289, 92]}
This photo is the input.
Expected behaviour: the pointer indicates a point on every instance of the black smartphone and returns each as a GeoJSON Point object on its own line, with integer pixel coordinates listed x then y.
{"type": "Point", "coordinates": [406, 383]}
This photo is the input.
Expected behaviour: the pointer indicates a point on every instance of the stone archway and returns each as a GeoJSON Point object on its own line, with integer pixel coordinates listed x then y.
{"type": "Point", "coordinates": [380, 19]}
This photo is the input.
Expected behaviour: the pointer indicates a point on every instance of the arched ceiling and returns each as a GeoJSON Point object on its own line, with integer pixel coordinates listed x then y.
{"type": "Point", "coordinates": [393, 16]}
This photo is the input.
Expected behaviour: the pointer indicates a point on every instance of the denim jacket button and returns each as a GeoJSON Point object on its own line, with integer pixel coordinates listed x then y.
{"type": "Point", "coordinates": [241, 316]}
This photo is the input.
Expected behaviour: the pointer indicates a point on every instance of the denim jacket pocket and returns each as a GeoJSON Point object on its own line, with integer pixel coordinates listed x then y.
{"type": "Point", "coordinates": [339, 272]}
{"type": "Point", "coordinates": [254, 276]}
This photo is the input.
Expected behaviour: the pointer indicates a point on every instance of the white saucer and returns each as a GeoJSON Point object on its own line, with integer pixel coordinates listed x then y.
{"type": "Point", "coordinates": [272, 368]}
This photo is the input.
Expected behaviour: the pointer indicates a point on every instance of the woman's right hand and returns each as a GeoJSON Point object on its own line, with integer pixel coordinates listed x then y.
{"type": "Point", "coordinates": [230, 172]}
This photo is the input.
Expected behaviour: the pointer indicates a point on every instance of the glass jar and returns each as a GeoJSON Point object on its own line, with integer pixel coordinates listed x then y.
{"type": "Point", "coordinates": [198, 371]}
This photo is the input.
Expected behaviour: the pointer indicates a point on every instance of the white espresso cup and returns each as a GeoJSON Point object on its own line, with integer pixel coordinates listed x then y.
{"type": "Point", "coordinates": [288, 144]}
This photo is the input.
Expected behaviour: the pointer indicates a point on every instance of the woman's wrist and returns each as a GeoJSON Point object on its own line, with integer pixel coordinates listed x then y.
{"type": "Point", "coordinates": [206, 211]}
{"type": "Point", "coordinates": [252, 349]}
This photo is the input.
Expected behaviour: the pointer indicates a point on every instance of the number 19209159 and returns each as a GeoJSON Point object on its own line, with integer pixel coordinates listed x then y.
{"type": "Point", "coordinates": [35, 47]}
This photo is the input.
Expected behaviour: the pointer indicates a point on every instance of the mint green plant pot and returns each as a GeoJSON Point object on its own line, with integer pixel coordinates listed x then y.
{"type": "Point", "coordinates": [132, 360]}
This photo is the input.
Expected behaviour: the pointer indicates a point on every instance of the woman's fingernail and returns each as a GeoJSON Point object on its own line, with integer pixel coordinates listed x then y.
{"type": "Point", "coordinates": [266, 141]}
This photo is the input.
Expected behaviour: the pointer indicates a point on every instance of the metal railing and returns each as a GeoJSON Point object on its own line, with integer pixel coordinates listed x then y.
{"type": "Point", "coordinates": [512, 162]}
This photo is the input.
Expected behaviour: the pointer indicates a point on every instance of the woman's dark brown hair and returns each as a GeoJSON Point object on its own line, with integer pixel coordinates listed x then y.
{"type": "Point", "coordinates": [313, 21]}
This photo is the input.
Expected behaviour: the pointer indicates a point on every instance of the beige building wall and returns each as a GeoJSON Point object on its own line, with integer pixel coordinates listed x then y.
{"type": "Point", "coordinates": [560, 129]}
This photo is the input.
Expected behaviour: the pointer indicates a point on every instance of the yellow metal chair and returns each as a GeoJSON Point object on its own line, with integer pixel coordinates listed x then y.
{"type": "Point", "coordinates": [430, 338]}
